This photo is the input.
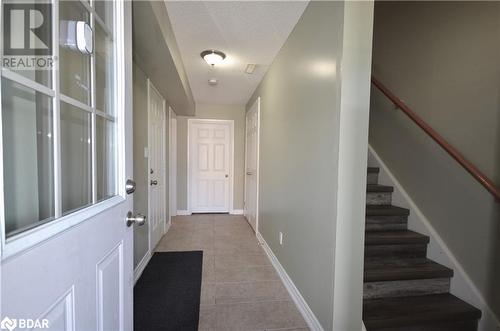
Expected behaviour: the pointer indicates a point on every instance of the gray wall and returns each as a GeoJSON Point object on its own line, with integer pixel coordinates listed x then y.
{"type": "Point", "coordinates": [299, 155]}
{"type": "Point", "coordinates": [156, 51]}
{"type": "Point", "coordinates": [447, 69]}
{"type": "Point", "coordinates": [140, 162]}
{"type": "Point", "coordinates": [442, 60]}
{"type": "Point", "coordinates": [221, 112]}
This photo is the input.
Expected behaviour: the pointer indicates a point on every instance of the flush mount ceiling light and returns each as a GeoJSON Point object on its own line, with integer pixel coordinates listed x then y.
{"type": "Point", "coordinates": [213, 57]}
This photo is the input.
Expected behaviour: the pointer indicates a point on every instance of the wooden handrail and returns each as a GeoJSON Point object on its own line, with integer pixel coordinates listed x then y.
{"type": "Point", "coordinates": [466, 164]}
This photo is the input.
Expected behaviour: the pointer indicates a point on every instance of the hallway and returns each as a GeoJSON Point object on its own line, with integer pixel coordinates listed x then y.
{"type": "Point", "coordinates": [240, 288]}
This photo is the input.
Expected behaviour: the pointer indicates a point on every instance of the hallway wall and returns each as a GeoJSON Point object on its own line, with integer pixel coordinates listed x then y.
{"type": "Point", "coordinates": [140, 87]}
{"type": "Point", "coordinates": [300, 169]}
{"type": "Point", "coordinates": [221, 112]}
{"type": "Point", "coordinates": [141, 166]}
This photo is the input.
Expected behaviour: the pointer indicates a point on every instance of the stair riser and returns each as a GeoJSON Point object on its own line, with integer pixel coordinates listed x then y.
{"type": "Point", "coordinates": [378, 198]}
{"type": "Point", "coordinates": [402, 288]}
{"type": "Point", "coordinates": [451, 326]}
{"type": "Point", "coordinates": [386, 223]}
{"type": "Point", "coordinates": [417, 250]}
{"type": "Point", "coordinates": [372, 178]}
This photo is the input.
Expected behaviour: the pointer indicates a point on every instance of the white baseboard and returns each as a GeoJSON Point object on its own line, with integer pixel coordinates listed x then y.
{"type": "Point", "coordinates": [141, 266]}
{"type": "Point", "coordinates": [300, 302]}
{"type": "Point", "coordinates": [236, 212]}
{"type": "Point", "coordinates": [183, 212]}
{"type": "Point", "coordinates": [462, 285]}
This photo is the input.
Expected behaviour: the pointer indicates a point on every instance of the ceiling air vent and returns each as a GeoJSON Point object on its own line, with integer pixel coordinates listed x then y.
{"type": "Point", "coordinates": [250, 68]}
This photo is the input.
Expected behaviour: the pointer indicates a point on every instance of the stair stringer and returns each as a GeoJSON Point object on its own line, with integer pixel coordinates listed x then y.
{"type": "Point", "coordinates": [437, 250]}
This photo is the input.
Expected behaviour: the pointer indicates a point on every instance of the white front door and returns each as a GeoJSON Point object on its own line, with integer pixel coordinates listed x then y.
{"type": "Point", "coordinates": [252, 164]}
{"type": "Point", "coordinates": [210, 163]}
{"type": "Point", "coordinates": [157, 165]}
{"type": "Point", "coordinates": [67, 152]}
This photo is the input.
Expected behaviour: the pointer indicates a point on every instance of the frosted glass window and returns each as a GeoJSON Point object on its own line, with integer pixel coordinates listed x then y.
{"type": "Point", "coordinates": [74, 66]}
{"type": "Point", "coordinates": [27, 157]}
{"type": "Point", "coordinates": [76, 158]}
{"type": "Point", "coordinates": [105, 158]}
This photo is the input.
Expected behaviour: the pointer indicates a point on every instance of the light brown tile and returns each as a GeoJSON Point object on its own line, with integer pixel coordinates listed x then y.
{"type": "Point", "coordinates": [242, 260]}
{"type": "Point", "coordinates": [287, 329]}
{"type": "Point", "coordinates": [236, 247]}
{"type": "Point", "coordinates": [208, 318]}
{"type": "Point", "coordinates": [250, 292]}
{"type": "Point", "coordinates": [207, 294]}
{"type": "Point", "coordinates": [240, 230]}
{"type": "Point", "coordinates": [208, 271]}
{"type": "Point", "coordinates": [258, 316]}
{"type": "Point", "coordinates": [246, 274]}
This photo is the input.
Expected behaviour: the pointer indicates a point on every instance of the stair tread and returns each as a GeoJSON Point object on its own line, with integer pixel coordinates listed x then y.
{"type": "Point", "coordinates": [417, 310]}
{"type": "Point", "coordinates": [383, 210]}
{"type": "Point", "coordinates": [395, 238]}
{"type": "Point", "coordinates": [391, 269]}
{"type": "Point", "coordinates": [373, 170]}
{"type": "Point", "coordinates": [378, 188]}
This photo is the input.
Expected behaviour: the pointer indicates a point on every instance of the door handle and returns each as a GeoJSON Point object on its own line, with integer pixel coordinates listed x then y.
{"type": "Point", "coordinates": [249, 173]}
{"type": "Point", "coordinates": [154, 182]}
{"type": "Point", "coordinates": [226, 176]}
{"type": "Point", "coordinates": [130, 186]}
{"type": "Point", "coordinates": [138, 219]}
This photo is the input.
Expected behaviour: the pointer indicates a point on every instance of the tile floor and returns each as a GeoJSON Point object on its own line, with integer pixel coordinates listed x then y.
{"type": "Point", "coordinates": [240, 288]}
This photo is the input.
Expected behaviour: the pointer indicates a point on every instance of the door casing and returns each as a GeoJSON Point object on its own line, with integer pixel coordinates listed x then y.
{"type": "Point", "coordinates": [255, 107]}
{"type": "Point", "coordinates": [172, 160]}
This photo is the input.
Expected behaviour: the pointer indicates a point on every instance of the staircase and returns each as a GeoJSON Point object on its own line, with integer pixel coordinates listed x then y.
{"type": "Point", "coordinates": [403, 290]}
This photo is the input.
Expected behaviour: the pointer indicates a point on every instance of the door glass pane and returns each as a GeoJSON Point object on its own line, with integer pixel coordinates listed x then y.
{"type": "Point", "coordinates": [27, 157]}
{"type": "Point", "coordinates": [104, 71]}
{"type": "Point", "coordinates": [76, 158]}
{"type": "Point", "coordinates": [105, 158]}
{"type": "Point", "coordinates": [104, 10]}
{"type": "Point", "coordinates": [74, 66]}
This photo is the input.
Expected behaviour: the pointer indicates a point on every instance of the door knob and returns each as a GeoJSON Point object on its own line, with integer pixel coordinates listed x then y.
{"type": "Point", "coordinates": [138, 219]}
{"type": "Point", "coordinates": [130, 186]}
{"type": "Point", "coordinates": [226, 176]}
{"type": "Point", "coordinates": [154, 182]}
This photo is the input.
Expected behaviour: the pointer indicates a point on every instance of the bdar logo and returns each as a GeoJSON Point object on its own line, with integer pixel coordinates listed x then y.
{"type": "Point", "coordinates": [8, 324]}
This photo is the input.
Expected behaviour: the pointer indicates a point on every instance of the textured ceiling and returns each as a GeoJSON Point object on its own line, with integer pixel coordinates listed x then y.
{"type": "Point", "coordinates": [247, 31]}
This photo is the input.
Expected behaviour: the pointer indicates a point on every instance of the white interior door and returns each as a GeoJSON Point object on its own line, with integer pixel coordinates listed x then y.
{"type": "Point", "coordinates": [69, 261]}
{"type": "Point", "coordinates": [210, 163]}
{"type": "Point", "coordinates": [157, 165]}
{"type": "Point", "coordinates": [252, 165]}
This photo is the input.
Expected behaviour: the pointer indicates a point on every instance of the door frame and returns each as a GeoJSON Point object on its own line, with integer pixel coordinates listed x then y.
{"type": "Point", "coordinates": [189, 169]}
{"type": "Point", "coordinates": [257, 172]}
{"type": "Point", "coordinates": [150, 87]}
{"type": "Point", "coordinates": [172, 161]}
